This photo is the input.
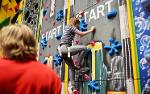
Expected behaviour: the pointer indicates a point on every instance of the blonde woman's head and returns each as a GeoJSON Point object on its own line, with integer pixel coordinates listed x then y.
{"type": "Point", "coordinates": [74, 22]}
{"type": "Point", "coordinates": [17, 42]}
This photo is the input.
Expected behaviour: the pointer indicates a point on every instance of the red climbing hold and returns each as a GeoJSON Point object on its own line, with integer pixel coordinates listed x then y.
{"type": "Point", "coordinates": [53, 22]}
{"type": "Point", "coordinates": [97, 1]}
{"type": "Point", "coordinates": [75, 91]}
{"type": "Point", "coordinates": [49, 45]}
{"type": "Point", "coordinates": [86, 77]}
{"type": "Point", "coordinates": [40, 53]}
{"type": "Point", "coordinates": [76, 62]}
{"type": "Point", "coordinates": [82, 13]}
{"type": "Point", "coordinates": [45, 18]}
{"type": "Point", "coordinates": [92, 43]}
{"type": "Point", "coordinates": [47, 55]}
{"type": "Point", "coordinates": [46, 4]}
{"type": "Point", "coordinates": [44, 33]}
{"type": "Point", "coordinates": [77, 41]}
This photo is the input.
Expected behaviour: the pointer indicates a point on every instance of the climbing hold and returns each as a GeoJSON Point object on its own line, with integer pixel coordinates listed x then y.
{"type": "Point", "coordinates": [114, 47]}
{"type": "Point", "coordinates": [81, 14]}
{"type": "Point", "coordinates": [86, 77]}
{"type": "Point", "coordinates": [43, 43]}
{"type": "Point", "coordinates": [83, 25]}
{"type": "Point", "coordinates": [146, 4]}
{"type": "Point", "coordinates": [46, 18]}
{"type": "Point", "coordinates": [47, 4]}
{"type": "Point", "coordinates": [53, 22]}
{"type": "Point", "coordinates": [94, 85]}
{"type": "Point", "coordinates": [75, 62]}
{"type": "Point", "coordinates": [44, 12]}
{"type": "Point", "coordinates": [40, 53]}
{"type": "Point", "coordinates": [92, 43]}
{"type": "Point", "coordinates": [77, 41]}
{"type": "Point", "coordinates": [49, 45]}
{"type": "Point", "coordinates": [57, 59]}
{"type": "Point", "coordinates": [59, 15]}
{"type": "Point", "coordinates": [75, 91]}
{"type": "Point", "coordinates": [45, 60]}
{"type": "Point", "coordinates": [87, 52]}
{"type": "Point", "coordinates": [47, 55]}
{"type": "Point", "coordinates": [97, 1]}
{"type": "Point", "coordinates": [112, 14]}
{"type": "Point", "coordinates": [58, 37]}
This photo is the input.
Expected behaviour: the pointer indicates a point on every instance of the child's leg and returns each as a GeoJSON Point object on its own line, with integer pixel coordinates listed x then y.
{"type": "Point", "coordinates": [77, 48]}
{"type": "Point", "coordinates": [73, 49]}
{"type": "Point", "coordinates": [69, 62]}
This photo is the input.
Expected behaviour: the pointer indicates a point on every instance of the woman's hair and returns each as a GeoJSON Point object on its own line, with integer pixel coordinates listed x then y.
{"type": "Point", "coordinates": [17, 42]}
{"type": "Point", "coordinates": [74, 21]}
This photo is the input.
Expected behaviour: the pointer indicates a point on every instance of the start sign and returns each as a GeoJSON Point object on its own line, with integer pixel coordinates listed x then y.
{"type": "Point", "coordinates": [97, 12]}
{"type": "Point", "coordinates": [52, 33]}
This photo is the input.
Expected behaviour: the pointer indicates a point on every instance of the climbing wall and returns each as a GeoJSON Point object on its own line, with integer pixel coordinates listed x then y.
{"type": "Point", "coordinates": [51, 24]}
{"type": "Point", "coordinates": [9, 11]}
{"type": "Point", "coordinates": [105, 59]}
{"type": "Point", "coordinates": [31, 14]}
{"type": "Point", "coordinates": [50, 27]}
{"type": "Point", "coordinates": [142, 29]}
{"type": "Point", "coordinates": [96, 14]}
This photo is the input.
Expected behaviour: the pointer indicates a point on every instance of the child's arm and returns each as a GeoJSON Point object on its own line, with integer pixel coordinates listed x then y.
{"type": "Point", "coordinates": [92, 29]}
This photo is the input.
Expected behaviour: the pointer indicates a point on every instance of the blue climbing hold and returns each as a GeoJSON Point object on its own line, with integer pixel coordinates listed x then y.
{"type": "Point", "coordinates": [83, 25]}
{"type": "Point", "coordinates": [88, 51]}
{"type": "Point", "coordinates": [45, 61]}
{"type": "Point", "coordinates": [114, 47]}
{"type": "Point", "coordinates": [59, 15]}
{"type": "Point", "coordinates": [44, 12]}
{"type": "Point", "coordinates": [57, 59]}
{"type": "Point", "coordinates": [58, 37]}
{"type": "Point", "coordinates": [112, 14]}
{"type": "Point", "coordinates": [94, 85]}
{"type": "Point", "coordinates": [43, 43]}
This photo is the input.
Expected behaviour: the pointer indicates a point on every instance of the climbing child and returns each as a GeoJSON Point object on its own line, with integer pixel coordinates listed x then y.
{"type": "Point", "coordinates": [67, 50]}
